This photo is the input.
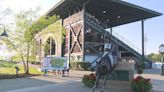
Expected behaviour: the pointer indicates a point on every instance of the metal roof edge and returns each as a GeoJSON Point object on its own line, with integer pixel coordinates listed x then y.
{"type": "Point", "coordinates": [117, 1]}
{"type": "Point", "coordinates": [138, 7]}
{"type": "Point", "coordinates": [54, 7]}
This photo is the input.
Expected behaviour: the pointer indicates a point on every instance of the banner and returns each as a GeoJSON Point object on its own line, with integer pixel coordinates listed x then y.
{"type": "Point", "coordinates": [55, 63]}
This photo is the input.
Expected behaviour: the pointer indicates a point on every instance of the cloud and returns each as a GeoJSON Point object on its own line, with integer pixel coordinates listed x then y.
{"type": "Point", "coordinates": [17, 5]}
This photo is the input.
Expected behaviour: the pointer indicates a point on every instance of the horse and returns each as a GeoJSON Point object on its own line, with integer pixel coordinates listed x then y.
{"type": "Point", "coordinates": [104, 67]}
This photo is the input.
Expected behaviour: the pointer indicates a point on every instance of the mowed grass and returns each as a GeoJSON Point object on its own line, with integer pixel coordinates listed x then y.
{"type": "Point", "coordinates": [6, 64]}
{"type": "Point", "coordinates": [9, 68]}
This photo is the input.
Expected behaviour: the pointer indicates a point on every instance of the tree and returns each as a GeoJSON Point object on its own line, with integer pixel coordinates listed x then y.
{"type": "Point", "coordinates": [44, 25]}
{"type": "Point", "coordinates": [154, 57]}
{"type": "Point", "coordinates": [20, 42]}
{"type": "Point", "coordinates": [39, 25]}
{"type": "Point", "coordinates": [22, 39]}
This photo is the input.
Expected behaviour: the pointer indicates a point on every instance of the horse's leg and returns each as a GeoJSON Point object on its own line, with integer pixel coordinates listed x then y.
{"type": "Point", "coordinates": [105, 80]}
{"type": "Point", "coordinates": [96, 83]}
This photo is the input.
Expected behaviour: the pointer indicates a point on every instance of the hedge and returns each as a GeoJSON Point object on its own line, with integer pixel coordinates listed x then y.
{"type": "Point", "coordinates": [80, 65]}
{"type": "Point", "coordinates": [17, 58]}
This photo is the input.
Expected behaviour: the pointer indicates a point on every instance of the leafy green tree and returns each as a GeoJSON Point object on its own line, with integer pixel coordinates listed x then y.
{"type": "Point", "coordinates": [39, 25]}
{"type": "Point", "coordinates": [46, 25]}
{"type": "Point", "coordinates": [20, 42]}
{"type": "Point", "coordinates": [154, 57]}
{"type": "Point", "coordinates": [22, 39]}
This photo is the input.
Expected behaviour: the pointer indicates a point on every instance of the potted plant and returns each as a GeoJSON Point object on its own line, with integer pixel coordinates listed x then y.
{"type": "Point", "coordinates": [140, 67]}
{"type": "Point", "coordinates": [140, 84]}
{"type": "Point", "coordinates": [89, 80]}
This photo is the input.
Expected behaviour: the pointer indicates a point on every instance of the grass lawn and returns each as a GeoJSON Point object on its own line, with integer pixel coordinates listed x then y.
{"type": "Point", "coordinates": [9, 68]}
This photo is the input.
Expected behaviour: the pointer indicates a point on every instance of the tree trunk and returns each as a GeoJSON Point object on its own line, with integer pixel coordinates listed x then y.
{"type": "Point", "coordinates": [22, 56]}
{"type": "Point", "coordinates": [27, 66]}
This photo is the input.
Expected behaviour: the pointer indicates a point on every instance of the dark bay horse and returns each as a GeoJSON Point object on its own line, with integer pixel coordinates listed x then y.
{"type": "Point", "coordinates": [104, 67]}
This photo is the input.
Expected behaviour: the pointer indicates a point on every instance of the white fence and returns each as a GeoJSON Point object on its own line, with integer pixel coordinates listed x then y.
{"type": "Point", "coordinates": [156, 65]}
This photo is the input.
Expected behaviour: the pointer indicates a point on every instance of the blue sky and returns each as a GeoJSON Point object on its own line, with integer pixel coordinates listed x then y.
{"type": "Point", "coordinates": [154, 28]}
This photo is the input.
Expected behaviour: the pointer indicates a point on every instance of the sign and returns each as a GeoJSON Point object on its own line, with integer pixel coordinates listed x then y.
{"type": "Point", "coordinates": [55, 63]}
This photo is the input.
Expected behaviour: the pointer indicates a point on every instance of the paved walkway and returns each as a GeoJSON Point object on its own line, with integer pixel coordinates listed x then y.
{"type": "Point", "coordinates": [66, 84]}
{"type": "Point", "coordinates": [41, 83]}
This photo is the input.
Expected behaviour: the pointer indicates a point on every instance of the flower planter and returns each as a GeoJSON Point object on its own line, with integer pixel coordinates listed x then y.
{"type": "Point", "coordinates": [89, 80]}
{"type": "Point", "coordinates": [140, 84]}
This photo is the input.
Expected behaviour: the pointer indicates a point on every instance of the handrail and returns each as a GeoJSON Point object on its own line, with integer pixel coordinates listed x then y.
{"type": "Point", "coordinates": [120, 37]}
{"type": "Point", "coordinates": [116, 36]}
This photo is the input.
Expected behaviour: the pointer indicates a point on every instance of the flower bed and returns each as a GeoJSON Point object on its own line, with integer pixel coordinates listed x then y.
{"type": "Point", "coordinates": [89, 80]}
{"type": "Point", "coordinates": [140, 84]}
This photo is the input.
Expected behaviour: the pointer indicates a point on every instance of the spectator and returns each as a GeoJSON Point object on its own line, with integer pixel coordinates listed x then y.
{"type": "Point", "coordinates": [46, 64]}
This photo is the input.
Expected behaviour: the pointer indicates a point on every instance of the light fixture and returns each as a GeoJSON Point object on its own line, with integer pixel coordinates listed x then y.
{"type": "Point", "coordinates": [118, 17]}
{"type": "Point", "coordinates": [104, 12]}
{"type": "Point", "coordinates": [4, 34]}
{"type": "Point", "coordinates": [161, 51]}
{"type": "Point", "coordinates": [107, 20]}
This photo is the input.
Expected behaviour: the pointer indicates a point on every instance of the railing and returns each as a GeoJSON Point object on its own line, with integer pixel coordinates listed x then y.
{"type": "Point", "coordinates": [95, 21]}
{"type": "Point", "coordinates": [116, 37]}
{"type": "Point", "coordinates": [123, 39]}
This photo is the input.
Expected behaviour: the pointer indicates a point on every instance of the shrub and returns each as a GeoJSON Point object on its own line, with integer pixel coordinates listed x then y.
{"type": "Point", "coordinates": [80, 65]}
{"type": "Point", "coordinates": [89, 80]}
{"type": "Point", "coordinates": [139, 70]}
{"type": "Point", "coordinates": [6, 64]}
{"type": "Point", "coordinates": [140, 66]}
{"type": "Point", "coordinates": [140, 84]}
{"type": "Point", "coordinates": [17, 58]}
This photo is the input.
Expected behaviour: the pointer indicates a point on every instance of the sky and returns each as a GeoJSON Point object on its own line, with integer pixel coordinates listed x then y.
{"type": "Point", "coordinates": [154, 29]}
